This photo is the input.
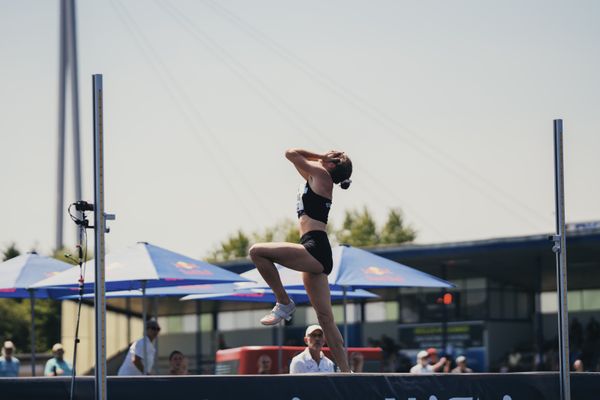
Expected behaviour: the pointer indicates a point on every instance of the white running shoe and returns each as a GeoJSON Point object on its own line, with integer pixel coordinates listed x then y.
{"type": "Point", "coordinates": [279, 312]}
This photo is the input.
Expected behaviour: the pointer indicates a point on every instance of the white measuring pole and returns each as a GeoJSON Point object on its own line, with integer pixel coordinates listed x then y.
{"type": "Point", "coordinates": [560, 249]}
{"type": "Point", "coordinates": [99, 230]}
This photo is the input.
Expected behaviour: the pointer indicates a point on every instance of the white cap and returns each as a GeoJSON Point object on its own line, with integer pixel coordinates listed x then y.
{"type": "Point", "coordinates": [313, 328]}
{"type": "Point", "coordinates": [461, 359]}
{"type": "Point", "coordinates": [57, 347]}
{"type": "Point", "coordinates": [9, 345]}
{"type": "Point", "coordinates": [422, 354]}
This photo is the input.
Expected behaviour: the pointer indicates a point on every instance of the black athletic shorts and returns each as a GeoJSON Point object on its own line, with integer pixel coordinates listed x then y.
{"type": "Point", "coordinates": [317, 244]}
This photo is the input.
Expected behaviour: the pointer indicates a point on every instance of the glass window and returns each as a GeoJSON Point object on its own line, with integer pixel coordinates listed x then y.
{"type": "Point", "coordinates": [206, 323]}
{"type": "Point", "coordinates": [549, 302]}
{"type": "Point", "coordinates": [164, 326]}
{"type": "Point", "coordinates": [474, 306]}
{"type": "Point", "coordinates": [475, 283]}
{"type": "Point", "coordinates": [409, 309]}
{"type": "Point", "coordinates": [311, 316]}
{"type": "Point", "coordinates": [496, 304]}
{"type": "Point", "coordinates": [225, 320]}
{"type": "Point", "coordinates": [510, 301]}
{"type": "Point", "coordinates": [460, 283]}
{"type": "Point", "coordinates": [189, 323]}
{"type": "Point", "coordinates": [352, 312]}
{"type": "Point", "coordinates": [523, 306]}
{"type": "Point", "coordinates": [391, 310]}
{"type": "Point", "coordinates": [338, 313]}
{"type": "Point", "coordinates": [591, 300]}
{"type": "Point", "coordinates": [233, 320]}
{"type": "Point", "coordinates": [408, 290]}
{"type": "Point", "coordinates": [575, 300]}
{"type": "Point", "coordinates": [375, 312]}
{"type": "Point", "coordinates": [174, 324]}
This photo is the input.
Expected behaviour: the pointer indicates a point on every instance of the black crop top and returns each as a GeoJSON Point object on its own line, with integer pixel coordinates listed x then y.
{"type": "Point", "coordinates": [314, 205]}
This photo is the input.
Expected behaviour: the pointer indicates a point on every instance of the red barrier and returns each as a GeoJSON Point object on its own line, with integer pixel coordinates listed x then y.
{"type": "Point", "coordinates": [245, 360]}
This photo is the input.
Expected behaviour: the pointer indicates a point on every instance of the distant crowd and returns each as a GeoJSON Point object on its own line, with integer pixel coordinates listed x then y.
{"type": "Point", "coordinates": [133, 364]}
{"type": "Point", "coordinates": [584, 356]}
{"type": "Point", "coordinates": [584, 352]}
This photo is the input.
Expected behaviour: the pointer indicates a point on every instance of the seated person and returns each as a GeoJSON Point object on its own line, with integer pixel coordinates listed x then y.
{"type": "Point", "coordinates": [177, 363]}
{"type": "Point", "coordinates": [264, 364]}
{"type": "Point", "coordinates": [357, 361]}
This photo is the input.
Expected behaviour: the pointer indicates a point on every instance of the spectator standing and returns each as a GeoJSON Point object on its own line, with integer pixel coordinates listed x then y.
{"type": "Point", "coordinates": [461, 366]}
{"type": "Point", "coordinates": [438, 364]}
{"type": "Point", "coordinates": [9, 365]}
{"type": "Point", "coordinates": [57, 366]}
{"type": "Point", "coordinates": [578, 366]}
{"type": "Point", "coordinates": [135, 362]}
{"type": "Point", "coordinates": [422, 366]}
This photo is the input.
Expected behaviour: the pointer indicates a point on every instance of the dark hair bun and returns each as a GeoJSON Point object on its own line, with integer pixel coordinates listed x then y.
{"type": "Point", "coordinates": [345, 184]}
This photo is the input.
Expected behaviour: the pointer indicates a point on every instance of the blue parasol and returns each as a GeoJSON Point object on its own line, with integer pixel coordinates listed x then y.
{"type": "Point", "coordinates": [19, 273]}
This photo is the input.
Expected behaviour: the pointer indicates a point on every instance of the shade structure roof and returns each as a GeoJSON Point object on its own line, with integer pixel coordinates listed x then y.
{"type": "Point", "coordinates": [228, 292]}
{"type": "Point", "coordinates": [267, 296]}
{"type": "Point", "coordinates": [357, 268]}
{"type": "Point", "coordinates": [147, 264]}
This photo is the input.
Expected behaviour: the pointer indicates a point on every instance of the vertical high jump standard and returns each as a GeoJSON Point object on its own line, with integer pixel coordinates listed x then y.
{"type": "Point", "coordinates": [99, 248]}
{"type": "Point", "coordinates": [560, 249]}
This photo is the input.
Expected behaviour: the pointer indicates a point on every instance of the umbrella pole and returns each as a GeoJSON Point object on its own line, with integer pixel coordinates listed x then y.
{"type": "Point", "coordinates": [145, 361]}
{"type": "Point", "coordinates": [32, 301]}
{"type": "Point", "coordinates": [280, 350]}
{"type": "Point", "coordinates": [155, 306]}
{"type": "Point", "coordinates": [345, 322]}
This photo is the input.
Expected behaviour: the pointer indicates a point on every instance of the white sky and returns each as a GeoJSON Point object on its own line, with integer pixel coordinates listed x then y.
{"type": "Point", "coordinates": [446, 108]}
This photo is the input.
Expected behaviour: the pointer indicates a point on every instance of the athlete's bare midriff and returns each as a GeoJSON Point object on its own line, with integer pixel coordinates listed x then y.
{"type": "Point", "coordinates": [307, 224]}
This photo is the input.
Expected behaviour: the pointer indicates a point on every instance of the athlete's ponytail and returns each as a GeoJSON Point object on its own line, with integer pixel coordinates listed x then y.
{"type": "Point", "coordinates": [345, 184]}
{"type": "Point", "coordinates": [342, 172]}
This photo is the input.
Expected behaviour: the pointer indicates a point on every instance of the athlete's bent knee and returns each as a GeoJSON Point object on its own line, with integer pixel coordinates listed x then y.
{"type": "Point", "coordinates": [256, 251]}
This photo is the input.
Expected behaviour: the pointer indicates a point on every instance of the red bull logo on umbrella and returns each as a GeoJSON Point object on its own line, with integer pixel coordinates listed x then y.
{"type": "Point", "coordinates": [376, 271]}
{"type": "Point", "coordinates": [373, 273]}
{"type": "Point", "coordinates": [249, 295]}
{"type": "Point", "coordinates": [191, 268]}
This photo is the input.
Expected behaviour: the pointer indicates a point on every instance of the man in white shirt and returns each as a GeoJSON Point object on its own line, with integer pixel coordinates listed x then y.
{"type": "Point", "coordinates": [312, 359]}
{"type": "Point", "coordinates": [139, 361]}
{"type": "Point", "coordinates": [422, 366]}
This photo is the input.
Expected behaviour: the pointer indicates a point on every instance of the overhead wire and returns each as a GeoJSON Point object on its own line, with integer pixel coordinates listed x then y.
{"type": "Point", "coordinates": [237, 68]}
{"type": "Point", "coordinates": [281, 105]}
{"type": "Point", "coordinates": [457, 167]}
{"type": "Point", "coordinates": [189, 112]}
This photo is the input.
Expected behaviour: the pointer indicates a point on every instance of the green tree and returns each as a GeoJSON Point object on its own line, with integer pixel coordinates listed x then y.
{"type": "Point", "coordinates": [394, 231]}
{"type": "Point", "coordinates": [15, 320]}
{"type": "Point", "coordinates": [236, 246]}
{"type": "Point", "coordinates": [285, 231]}
{"type": "Point", "coordinates": [359, 229]}
{"type": "Point", "coordinates": [10, 252]}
